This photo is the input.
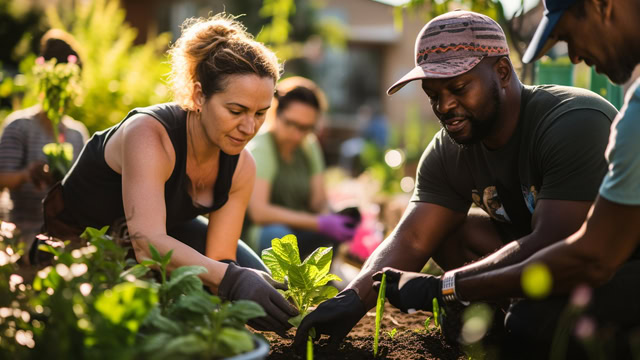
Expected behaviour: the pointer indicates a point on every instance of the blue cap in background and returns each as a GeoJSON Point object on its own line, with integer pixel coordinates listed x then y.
{"type": "Point", "coordinates": [553, 11]}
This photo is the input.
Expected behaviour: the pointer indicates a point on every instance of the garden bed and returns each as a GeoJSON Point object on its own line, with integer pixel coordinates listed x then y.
{"type": "Point", "coordinates": [411, 340]}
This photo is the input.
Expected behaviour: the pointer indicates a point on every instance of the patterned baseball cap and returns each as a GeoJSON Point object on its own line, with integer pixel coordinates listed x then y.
{"type": "Point", "coordinates": [452, 44]}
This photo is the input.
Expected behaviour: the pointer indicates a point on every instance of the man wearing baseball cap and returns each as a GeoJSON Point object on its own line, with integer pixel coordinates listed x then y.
{"type": "Point", "coordinates": [599, 264]}
{"type": "Point", "coordinates": [530, 158]}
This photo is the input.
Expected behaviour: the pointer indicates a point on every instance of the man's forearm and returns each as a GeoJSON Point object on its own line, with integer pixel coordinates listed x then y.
{"type": "Point", "coordinates": [568, 265]}
{"type": "Point", "coordinates": [14, 179]}
{"type": "Point", "coordinates": [591, 256]}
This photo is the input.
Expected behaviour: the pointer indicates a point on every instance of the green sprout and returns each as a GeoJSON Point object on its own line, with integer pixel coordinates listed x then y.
{"type": "Point", "coordinates": [379, 313]}
{"type": "Point", "coordinates": [392, 333]}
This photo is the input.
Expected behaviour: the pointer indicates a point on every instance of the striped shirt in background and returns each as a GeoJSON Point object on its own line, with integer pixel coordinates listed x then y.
{"type": "Point", "coordinates": [21, 144]}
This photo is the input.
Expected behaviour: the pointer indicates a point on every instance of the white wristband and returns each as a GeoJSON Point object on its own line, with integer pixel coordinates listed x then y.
{"type": "Point", "coordinates": [449, 288]}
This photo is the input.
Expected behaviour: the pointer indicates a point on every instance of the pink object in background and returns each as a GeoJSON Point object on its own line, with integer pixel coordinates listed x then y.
{"type": "Point", "coordinates": [368, 234]}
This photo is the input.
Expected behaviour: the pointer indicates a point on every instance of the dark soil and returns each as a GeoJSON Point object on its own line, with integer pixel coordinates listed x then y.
{"type": "Point", "coordinates": [411, 341]}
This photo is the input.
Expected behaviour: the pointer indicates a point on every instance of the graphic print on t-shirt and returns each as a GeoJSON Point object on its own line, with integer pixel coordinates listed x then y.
{"type": "Point", "coordinates": [490, 202]}
{"type": "Point", "coordinates": [530, 196]}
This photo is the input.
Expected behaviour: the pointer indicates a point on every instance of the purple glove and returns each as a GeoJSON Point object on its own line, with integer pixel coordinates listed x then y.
{"type": "Point", "coordinates": [339, 227]}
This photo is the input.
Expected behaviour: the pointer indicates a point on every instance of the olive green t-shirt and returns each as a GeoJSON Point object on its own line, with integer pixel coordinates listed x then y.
{"type": "Point", "coordinates": [290, 181]}
{"type": "Point", "coordinates": [556, 152]}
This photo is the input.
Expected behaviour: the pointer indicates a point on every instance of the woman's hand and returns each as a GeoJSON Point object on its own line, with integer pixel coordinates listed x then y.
{"type": "Point", "coordinates": [249, 284]}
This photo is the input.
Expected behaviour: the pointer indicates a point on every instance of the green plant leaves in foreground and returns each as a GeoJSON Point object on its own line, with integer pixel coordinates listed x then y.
{"type": "Point", "coordinates": [307, 280]}
{"type": "Point", "coordinates": [93, 303]}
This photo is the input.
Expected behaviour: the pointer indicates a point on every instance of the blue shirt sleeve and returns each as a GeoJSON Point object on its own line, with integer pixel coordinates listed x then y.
{"type": "Point", "coordinates": [622, 182]}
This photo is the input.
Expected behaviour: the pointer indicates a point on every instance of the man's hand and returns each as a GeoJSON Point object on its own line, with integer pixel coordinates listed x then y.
{"type": "Point", "coordinates": [409, 291]}
{"type": "Point", "coordinates": [40, 175]}
{"type": "Point", "coordinates": [334, 317]}
{"type": "Point", "coordinates": [249, 284]}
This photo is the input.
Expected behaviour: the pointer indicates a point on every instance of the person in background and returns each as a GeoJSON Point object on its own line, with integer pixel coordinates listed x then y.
{"type": "Point", "coordinates": [23, 166]}
{"type": "Point", "coordinates": [531, 158]}
{"type": "Point", "coordinates": [289, 195]}
{"type": "Point", "coordinates": [165, 165]}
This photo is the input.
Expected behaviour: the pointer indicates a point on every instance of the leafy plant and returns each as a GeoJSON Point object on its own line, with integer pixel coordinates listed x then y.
{"type": "Point", "coordinates": [392, 333]}
{"type": "Point", "coordinates": [307, 280]}
{"type": "Point", "coordinates": [91, 303]}
{"type": "Point", "coordinates": [58, 85]}
{"type": "Point", "coordinates": [379, 313]}
{"type": "Point", "coordinates": [189, 322]}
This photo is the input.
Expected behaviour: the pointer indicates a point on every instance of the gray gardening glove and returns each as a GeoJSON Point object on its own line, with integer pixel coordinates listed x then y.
{"type": "Point", "coordinates": [249, 284]}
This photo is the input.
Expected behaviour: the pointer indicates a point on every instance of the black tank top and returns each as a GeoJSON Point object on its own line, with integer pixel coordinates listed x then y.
{"type": "Point", "coordinates": [93, 191]}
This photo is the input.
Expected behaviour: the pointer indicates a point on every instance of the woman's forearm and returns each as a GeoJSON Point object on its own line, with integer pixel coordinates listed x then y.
{"type": "Point", "coordinates": [273, 214]}
{"type": "Point", "coordinates": [183, 255]}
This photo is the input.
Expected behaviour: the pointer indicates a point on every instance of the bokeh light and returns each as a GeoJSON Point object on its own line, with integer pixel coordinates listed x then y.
{"type": "Point", "coordinates": [536, 281]}
{"type": "Point", "coordinates": [407, 184]}
{"type": "Point", "coordinates": [394, 158]}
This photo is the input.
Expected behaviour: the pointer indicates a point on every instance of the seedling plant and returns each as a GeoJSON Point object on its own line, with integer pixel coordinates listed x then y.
{"type": "Point", "coordinates": [307, 280]}
{"type": "Point", "coordinates": [379, 313]}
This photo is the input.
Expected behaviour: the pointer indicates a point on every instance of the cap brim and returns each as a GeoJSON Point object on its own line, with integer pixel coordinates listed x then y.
{"type": "Point", "coordinates": [436, 70]}
{"type": "Point", "coordinates": [541, 43]}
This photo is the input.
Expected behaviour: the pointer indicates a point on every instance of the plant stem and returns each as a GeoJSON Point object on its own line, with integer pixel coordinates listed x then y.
{"type": "Point", "coordinates": [379, 312]}
{"type": "Point", "coordinates": [309, 348]}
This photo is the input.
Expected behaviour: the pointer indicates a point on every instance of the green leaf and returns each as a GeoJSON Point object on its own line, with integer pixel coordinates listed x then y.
{"type": "Point", "coordinates": [137, 270]}
{"type": "Point", "coordinates": [302, 276]}
{"type": "Point", "coordinates": [379, 313]}
{"type": "Point", "coordinates": [149, 262]}
{"type": "Point", "coordinates": [322, 293]}
{"type": "Point", "coordinates": [155, 255]}
{"type": "Point", "coordinates": [127, 304]}
{"type": "Point", "coordinates": [286, 249]}
{"type": "Point", "coordinates": [200, 304]}
{"type": "Point", "coordinates": [296, 320]}
{"type": "Point", "coordinates": [320, 259]}
{"type": "Point", "coordinates": [235, 341]}
{"type": "Point", "coordinates": [155, 342]}
{"type": "Point", "coordinates": [188, 285]}
{"type": "Point", "coordinates": [162, 323]}
{"type": "Point", "coordinates": [190, 344]}
{"type": "Point", "coordinates": [326, 279]}
{"type": "Point", "coordinates": [269, 259]}
{"type": "Point", "coordinates": [183, 272]}
{"type": "Point", "coordinates": [93, 233]}
{"type": "Point", "coordinates": [245, 310]}
{"type": "Point", "coordinates": [167, 258]}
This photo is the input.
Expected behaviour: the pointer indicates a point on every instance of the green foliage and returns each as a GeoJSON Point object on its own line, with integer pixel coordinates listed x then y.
{"type": "Point", "coordinates": [307, 280]}
{"type": "Point", "coordinates": [293, 22]}
{"type": "Point", "coordinates": [392, 333]}
{"type": "Point", "coordinates": [57, 87]}
{"type": "Point", "coordinates": [379, 313]}
{"type": "Point", "coordinates": [189, 322]}
{"type": "Point", "coordinates": [92, 303]}
{"type": "Point", "coordinates": [117, 75]}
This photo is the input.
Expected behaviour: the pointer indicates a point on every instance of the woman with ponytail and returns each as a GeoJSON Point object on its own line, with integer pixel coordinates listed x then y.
{"type": "Point", "coordinates": [164, 166]}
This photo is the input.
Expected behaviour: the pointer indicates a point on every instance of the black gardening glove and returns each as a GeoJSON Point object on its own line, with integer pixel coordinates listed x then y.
{"type": "Point", "coordinates": [249, 284]}
{"type": "Point", "coordinates": [409, 291]}
{"type": "Point", "coordinates": [334, 317]}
